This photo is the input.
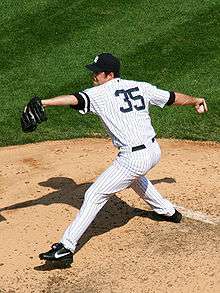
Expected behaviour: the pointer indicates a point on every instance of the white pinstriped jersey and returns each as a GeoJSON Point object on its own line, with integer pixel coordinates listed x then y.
{"type": "Point", "coordinates": [123, 106]}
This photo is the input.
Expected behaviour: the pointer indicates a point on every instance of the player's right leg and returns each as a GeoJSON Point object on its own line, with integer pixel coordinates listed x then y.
{"type": "Point", "coordinates": [163, 207]}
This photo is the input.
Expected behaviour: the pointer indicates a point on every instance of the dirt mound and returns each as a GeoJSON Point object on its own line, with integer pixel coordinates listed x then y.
{"type": "Point", "coordinates": [41, 190]}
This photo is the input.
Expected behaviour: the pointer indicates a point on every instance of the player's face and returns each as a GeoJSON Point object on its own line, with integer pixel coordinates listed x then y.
{"type": "Point", "coordinates": [99, 78]}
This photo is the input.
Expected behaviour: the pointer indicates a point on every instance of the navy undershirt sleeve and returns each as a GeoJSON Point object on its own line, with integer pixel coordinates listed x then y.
{"type": "Point", "coordinates": [171, 99]}
{"type": "Point", "coordinates": [81, 102]}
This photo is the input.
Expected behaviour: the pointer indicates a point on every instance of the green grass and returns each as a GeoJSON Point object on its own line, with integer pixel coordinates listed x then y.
{"type": "Point", "coordinates": [45, 45]}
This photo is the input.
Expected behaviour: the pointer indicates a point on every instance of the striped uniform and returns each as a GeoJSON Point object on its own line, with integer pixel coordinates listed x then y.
{"type": "Point", "coordinates": [123, 106]}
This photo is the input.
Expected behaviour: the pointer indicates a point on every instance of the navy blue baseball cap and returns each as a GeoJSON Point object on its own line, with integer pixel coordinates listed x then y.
{"type": "Point", "coordinates": [105, 62]}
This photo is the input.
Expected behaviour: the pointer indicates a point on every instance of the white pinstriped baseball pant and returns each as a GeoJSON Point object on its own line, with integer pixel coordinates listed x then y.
{"type": "Point", "coordinates": [127, 170]}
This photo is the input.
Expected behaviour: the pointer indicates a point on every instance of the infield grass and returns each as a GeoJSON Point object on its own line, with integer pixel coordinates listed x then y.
{"type": "Point", "coordinates": [45, 45]}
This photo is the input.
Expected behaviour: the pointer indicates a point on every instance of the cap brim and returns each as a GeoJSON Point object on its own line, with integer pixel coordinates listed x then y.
{"type": "Point", "coordinates": [93, 67]}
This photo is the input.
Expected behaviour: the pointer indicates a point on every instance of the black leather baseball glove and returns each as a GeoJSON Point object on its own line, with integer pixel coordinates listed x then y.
{"type": "Point", "coordinates": [33, 114]}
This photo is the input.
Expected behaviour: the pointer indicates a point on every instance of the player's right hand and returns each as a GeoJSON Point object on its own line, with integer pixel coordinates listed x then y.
{"type": "Point", "coordinates": [201, 105]}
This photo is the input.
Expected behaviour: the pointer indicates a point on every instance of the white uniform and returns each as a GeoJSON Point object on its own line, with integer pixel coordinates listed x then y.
{"type": "Point", "coordinates": [123, 106]}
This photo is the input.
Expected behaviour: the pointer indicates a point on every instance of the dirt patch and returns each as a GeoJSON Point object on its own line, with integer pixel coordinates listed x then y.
{"type": "Point", "coordinates": [42, 187]}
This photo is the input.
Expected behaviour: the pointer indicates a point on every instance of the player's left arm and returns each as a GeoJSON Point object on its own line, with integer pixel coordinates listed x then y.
{"type": "Point", "coordinates": [78, 101]}
{"type": "Point", "coordinates": [34, 113]}
{"type": "Point", "coordinates": [186, 100]}
{"type": "Point", "coordinates": [65, 100]}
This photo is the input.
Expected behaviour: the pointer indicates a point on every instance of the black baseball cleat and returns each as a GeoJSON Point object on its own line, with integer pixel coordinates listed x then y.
{"type": "Point", "coordinates": [57, 253]}
{"type": "Point", "coordinates": [175, 218]}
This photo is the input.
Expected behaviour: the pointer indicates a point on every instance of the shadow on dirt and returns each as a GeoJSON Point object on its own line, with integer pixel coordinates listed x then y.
{"type": "Point", "coordinates": [115, 213]}
{"type": "Point", "coordinates": [68, 192]}
{"type": "Point", "coordinates": [52, 265]}
{"type": "Point", "coordinates": [2, 218]}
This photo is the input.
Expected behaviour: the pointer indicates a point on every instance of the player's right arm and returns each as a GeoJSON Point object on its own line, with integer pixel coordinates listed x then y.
{"type": "Point", "coordinates": [186, 100]}
{"type": "Point", "coordinates": [161, 98]}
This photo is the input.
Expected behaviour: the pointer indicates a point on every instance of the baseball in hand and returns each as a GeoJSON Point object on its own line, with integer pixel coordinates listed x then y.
{"type": "Point", "coordinates": [201, 109]}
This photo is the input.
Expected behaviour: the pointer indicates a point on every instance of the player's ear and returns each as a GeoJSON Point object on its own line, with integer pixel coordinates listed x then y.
{"type": "Point", "coordinates": [110, 75]}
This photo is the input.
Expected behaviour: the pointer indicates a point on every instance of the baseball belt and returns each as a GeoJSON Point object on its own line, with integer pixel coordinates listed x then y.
{"type": "Point", "coordinates": [141, 147]}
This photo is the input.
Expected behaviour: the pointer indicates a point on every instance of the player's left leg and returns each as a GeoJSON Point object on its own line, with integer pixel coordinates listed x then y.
{"type": "Point", "coordinates": [114, 179]}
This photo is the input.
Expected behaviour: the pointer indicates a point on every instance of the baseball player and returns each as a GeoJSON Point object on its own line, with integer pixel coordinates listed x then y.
{"type": "Point", "coordinates": [123, 106]}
